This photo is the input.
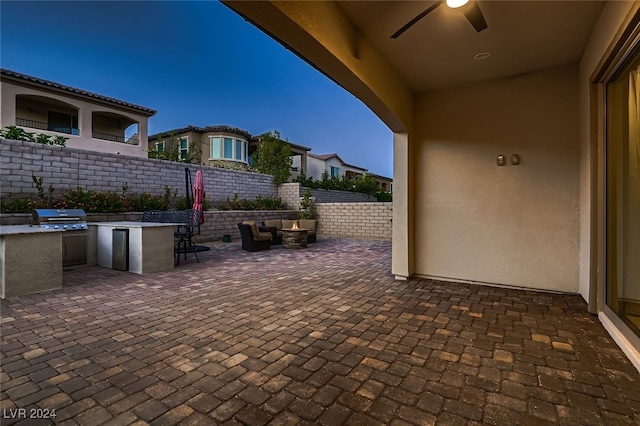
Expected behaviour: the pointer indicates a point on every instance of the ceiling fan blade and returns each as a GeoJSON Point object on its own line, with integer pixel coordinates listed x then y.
{"type": "Point", "coordinates": [416, 19]}
{"type": "Point", "coordinates": [474, 15]}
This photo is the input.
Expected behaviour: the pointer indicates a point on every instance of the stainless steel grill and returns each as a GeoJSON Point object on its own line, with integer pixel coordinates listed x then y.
{"type": "Point", "coordinates": [74, 239]}
{"type": "Point", "coordinates": [65, 219]}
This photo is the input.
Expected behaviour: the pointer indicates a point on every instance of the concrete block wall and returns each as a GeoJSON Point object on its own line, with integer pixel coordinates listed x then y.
{"type": "Point", "coordinates": [220, 223]}
{"type": "Point", "coordinates": [290, 194]}
{"type": "Point", "coordinates": [334, 196]}
{"type": "Point", "coordinates": [67, 168]}
{"type": "Point", "coordinates": [217, 222]}
{"type": "Point", "coordinates": [367, 221]}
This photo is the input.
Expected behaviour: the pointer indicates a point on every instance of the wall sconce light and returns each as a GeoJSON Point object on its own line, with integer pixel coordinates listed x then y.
{"type": "Point", "coordinates": [500, 160]}
{"type": "Point", "coordinates": [515, 159]}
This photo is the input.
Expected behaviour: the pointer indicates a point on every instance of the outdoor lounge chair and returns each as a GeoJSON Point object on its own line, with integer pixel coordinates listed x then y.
{"type": "Point", "coordinates": [252, 238]}
{"type": "Point", "coordinates": [275, 228]}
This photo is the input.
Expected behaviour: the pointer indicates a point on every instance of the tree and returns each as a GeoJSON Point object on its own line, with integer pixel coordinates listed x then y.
{"type": "Point", "coordinates": [273, 157]}
{"type": "Point", "coordinates": [171, 150]}
{"type": "Point", "coordinates": [307, 209]}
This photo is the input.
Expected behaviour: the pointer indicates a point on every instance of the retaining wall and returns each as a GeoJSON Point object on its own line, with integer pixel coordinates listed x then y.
{"type": "Point", "coordinates": [367, 221]}
{"type": "Point", "coordinates": [334, 196]}
{"type": "Point", "coordinates": [217, 223]}
{"type": "Point", "coordinates": [67, 168]}
{"type": "Point", "coordinates": [291, 193]}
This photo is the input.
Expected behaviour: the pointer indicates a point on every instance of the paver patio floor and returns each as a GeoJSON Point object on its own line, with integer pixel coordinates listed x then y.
{"type": "Point", "coordinates": [316, 336]}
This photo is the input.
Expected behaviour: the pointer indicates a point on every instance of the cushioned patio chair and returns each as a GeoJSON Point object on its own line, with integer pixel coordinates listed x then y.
{"type": "Point", "coordinates": [312, 226]}
{"type": "Point", "coordinates": [252, 238]}
{"type": "Point", "coordinates": [275, 228]}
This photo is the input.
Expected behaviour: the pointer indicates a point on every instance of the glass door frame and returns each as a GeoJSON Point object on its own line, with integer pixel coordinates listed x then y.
{"type": "Point", "coordinates": [626, 44]}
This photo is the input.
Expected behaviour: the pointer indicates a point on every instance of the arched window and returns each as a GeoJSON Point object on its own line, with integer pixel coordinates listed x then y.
{"type": "Point", "coordinates": [228, 148]}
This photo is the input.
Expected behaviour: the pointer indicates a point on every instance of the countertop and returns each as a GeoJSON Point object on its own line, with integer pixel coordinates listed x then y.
{"type": "Point", "coordinates": [135, 224]}
{"type": "Point", "coordinates": [24, 229]}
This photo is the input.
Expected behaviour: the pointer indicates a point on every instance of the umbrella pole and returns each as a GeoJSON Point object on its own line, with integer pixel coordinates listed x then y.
{"type": "Point", "coordinates": [187, 178]}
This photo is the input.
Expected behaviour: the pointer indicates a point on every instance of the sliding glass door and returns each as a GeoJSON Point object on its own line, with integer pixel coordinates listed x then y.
{"type": "Point", "coordinates": [622, 288]}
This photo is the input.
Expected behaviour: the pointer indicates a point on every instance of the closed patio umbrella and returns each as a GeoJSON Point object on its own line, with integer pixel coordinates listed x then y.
{"type": "Point", "coordinates": [198, 193]}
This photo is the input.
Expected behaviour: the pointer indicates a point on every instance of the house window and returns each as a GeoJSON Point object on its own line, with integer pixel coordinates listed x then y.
{"type": "Point", "coordinates": [160, 146]}
{"type": "Point", "coordinates": [215, 147]}
{"type": "Point", "coordinates": [184, 148]}
{"type": "Point", "coordinates": [335, 171]}
{"type": "Point", "coordinates": [226, 148]}
{"type": "Point", "coordinates": [238, 150]}
{"type": "Point", "coordinates": [63, 123]}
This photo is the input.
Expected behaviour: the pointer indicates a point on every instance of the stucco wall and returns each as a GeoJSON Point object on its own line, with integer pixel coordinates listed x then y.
{"type": "Point", "coordinates": [370, 221]}
{"type": "Point", "coordinates": [67, 168]}
{"type": "Point", "coordinates": [85, 110]}
{"type": "Point", "coordinates": [512, 225]}
{"type": "Point", "coordinates": [315, 167]}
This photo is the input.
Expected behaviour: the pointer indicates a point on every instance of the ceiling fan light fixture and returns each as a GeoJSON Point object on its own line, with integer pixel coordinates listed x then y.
{"type": "Point", "coordinates": [454, 4]}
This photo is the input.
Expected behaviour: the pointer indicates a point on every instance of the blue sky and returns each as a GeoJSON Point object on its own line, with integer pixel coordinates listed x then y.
{"type": "Point", "coordinates": [195, 63]}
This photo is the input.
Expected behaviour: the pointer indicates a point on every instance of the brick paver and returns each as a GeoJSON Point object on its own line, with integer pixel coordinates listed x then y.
{"type": "Point", "coordinates": [322, 335]}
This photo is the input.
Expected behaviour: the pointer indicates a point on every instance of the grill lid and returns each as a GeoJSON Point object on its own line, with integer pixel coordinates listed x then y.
{"type": "Point", "coordinates": [41, 216]}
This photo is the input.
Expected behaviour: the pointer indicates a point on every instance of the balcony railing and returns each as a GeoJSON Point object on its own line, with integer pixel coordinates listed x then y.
{"type": "Point", "coordinates": [47, 126]}
{"type": "Point", "coordinates": [116, 138]}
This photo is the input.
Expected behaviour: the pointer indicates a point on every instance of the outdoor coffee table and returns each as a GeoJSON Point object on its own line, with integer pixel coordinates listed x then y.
{"type": "Point", "coordinates": [294, 238]}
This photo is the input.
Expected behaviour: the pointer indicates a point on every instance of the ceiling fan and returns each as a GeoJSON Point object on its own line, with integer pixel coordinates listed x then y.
{"type": "Point", "coordinates": [470, 9]}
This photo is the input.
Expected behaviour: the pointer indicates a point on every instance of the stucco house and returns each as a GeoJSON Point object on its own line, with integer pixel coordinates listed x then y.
{"type": "Point", "coordinates": [90, 121]}
{"type": "Point", "coordinates": [383, 182]}
{"type": "Point", "coordinates": [515, 145]}
{"type": "Point", "coordinates": [215, 143]}
{"type": "Point", "coordinates": [335, 166]}
{"type": "Point", "coordinates": [221, 144]}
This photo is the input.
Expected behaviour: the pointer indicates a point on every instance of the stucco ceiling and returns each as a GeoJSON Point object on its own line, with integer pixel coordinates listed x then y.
{"type": "Point", "coordinates": [438, 51]}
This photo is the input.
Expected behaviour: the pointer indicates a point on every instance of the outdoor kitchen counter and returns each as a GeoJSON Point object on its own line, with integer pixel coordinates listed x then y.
{"type": "Point", "coordinates": [31, 260]}
{"type": "Point", "coordinates": [150, 245]}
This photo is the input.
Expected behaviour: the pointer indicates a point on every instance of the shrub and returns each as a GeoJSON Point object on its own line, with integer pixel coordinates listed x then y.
{"type": "Point", "coordinates": [259, 203]}
{"type": "Point", "coordinates": [17, 205]}
{"type": "Point", "coordinates": [145, 201]}
{"type": "Point", "coordinates": [307, 209]}
{"type": "Point", "coordinates": [181, 204]}
{"type": "Point", "coordinates": [92, 201]}
{"type": "Point", "coordinates": [19, 134]}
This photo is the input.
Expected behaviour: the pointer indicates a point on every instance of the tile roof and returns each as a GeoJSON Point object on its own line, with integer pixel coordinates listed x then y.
{"type": "Point", "coordinates": [217, 128]}
{"type": "Point", "coordinates": [222, 128]}
{"type": "Point", "coordinates": [53, 85]}
{"type": "Point", "coordinates": [379, 176]}
{"type": "Point", "coordinates": [325, 157]}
